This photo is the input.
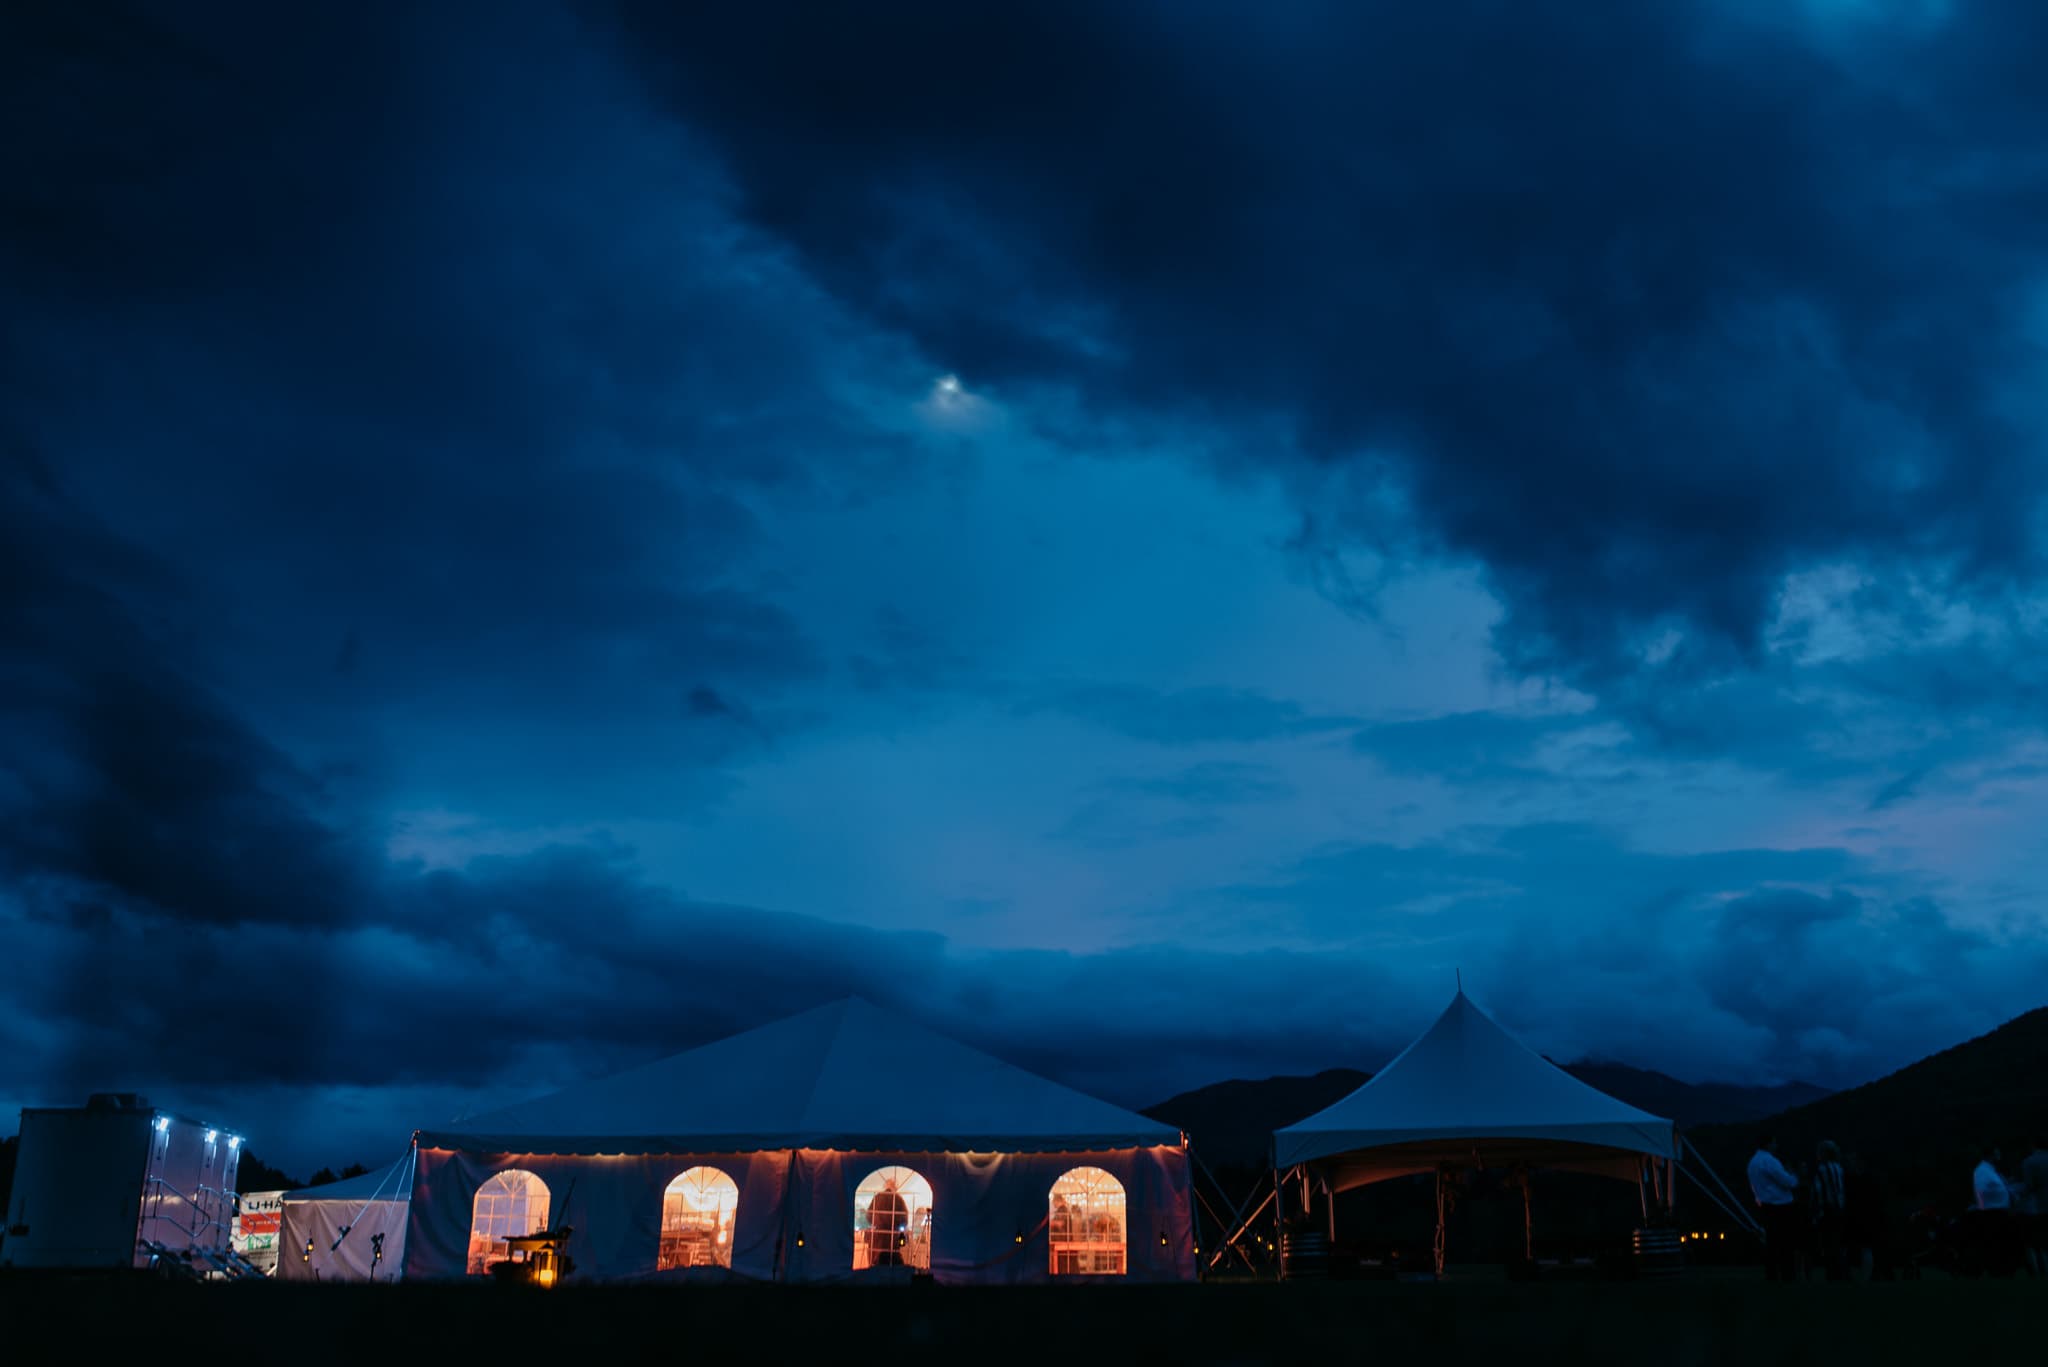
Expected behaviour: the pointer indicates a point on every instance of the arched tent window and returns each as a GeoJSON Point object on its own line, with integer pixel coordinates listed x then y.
{"type": "Point", "coordinates": [512, 1204]}
{"type": "Point", "coordinates": [892, 1220]}
{"type": "Point", "coordinates": [696, 1220]}
{"type": "Point", "coordinates": [1086, 1225]}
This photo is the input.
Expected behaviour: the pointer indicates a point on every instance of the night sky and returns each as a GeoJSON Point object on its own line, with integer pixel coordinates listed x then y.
{"type": "Point", "coordinates": [1148, 536]}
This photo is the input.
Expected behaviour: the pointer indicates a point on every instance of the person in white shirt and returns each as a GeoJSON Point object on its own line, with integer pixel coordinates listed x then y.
{"type": "Point", "coordinates": [1777, 1195]}
{"type": "Point", "coordinates": [1992, 1192]}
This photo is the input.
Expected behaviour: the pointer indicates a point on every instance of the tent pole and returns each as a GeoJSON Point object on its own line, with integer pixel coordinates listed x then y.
{"type": "Point", "coordinates": [788, 1219]}
{"type": "Point", "coordinates": [1438, 1247]}
{"type": "Point", "coordinates": [1734, 1206]}
{"type": "Point", "coordinates": [1279, 1222]}
{"type": "Point", "coordinates": [1234, 1228]}
{"type": "Point", "coordinates": [1243, 1229]}
{"type": "Point", "coordinates": [1528, 1224]}
{"type": "Point", "coordinates": [1330, 1210]}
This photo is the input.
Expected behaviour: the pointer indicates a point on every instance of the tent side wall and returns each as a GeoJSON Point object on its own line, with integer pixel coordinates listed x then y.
{"type": "Point", "coordinates": [319, 1224]}
{"type": "Point", "coordinates": [613, 1201]}
{"type": "Point", "coordinates": [981, 1202]}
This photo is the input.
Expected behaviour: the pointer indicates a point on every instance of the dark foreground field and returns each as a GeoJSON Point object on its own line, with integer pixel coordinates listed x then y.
{"type": "Point", "coordinates": [1670, 1324]}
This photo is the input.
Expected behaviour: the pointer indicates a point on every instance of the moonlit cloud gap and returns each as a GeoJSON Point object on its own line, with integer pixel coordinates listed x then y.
{"type": "Point", "coordinates": [649, 514]}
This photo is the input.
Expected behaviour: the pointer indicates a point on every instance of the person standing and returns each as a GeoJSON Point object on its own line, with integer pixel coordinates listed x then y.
{"type": "Point", "coordinates": [2034, 1173]}
{"type": "Point", "coordinates": [1988, 1183]}
{"type": "Point", "coordinates": [1991, 1216]}
{"type": "Point", "coordinates": [1777, 1196]}
{"type": "Point", "coordinates": [1830, 1210]}
{"type": "Point", "coordinates": [1866, 1220]}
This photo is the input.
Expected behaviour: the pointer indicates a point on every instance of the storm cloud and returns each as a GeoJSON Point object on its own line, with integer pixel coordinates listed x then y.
{"type": "Point", "coordinates": [1639, 306]}
{"type": "Point", "coordinates": [533, 539]}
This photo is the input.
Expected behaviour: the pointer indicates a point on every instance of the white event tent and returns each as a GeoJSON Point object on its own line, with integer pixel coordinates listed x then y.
{"type": "Point", "coordinates": [844, 1142]}
{"type": "Point", "coordinates": [1469, 1095]}
{"type": "Point", "coordinates": [331, 1232]}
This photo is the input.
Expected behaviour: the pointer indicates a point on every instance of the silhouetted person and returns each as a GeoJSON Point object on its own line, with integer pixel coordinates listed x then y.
{"type": "Point", "coordinates": [1866, 1223]}
{"type": "Point", "coordinates": [2034, 1175]}
{"type": "Point", "coordinates": [1830, 1210]}
{"type": "Point", "coordinates": [1989, 1184]}
{"type": "Point", "coordinates": [1991, 1217]}
{"type": "Point", "coordinates": [1777, 1200]}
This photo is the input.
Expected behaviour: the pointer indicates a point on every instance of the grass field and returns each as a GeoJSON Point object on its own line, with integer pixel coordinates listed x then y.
{"type": "Point", "coordinates": [1671, 1324]}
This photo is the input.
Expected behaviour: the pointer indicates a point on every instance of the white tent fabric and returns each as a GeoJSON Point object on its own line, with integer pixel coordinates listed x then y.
{"type": "Point", "coordinates": [797, 1113]}
{"type": "Point", "coordinates": [844, 1076]}
{"type": "Point", "coordinates": [1469, 1090]}
{"type": "Point", "coordinates": [314, 1217]}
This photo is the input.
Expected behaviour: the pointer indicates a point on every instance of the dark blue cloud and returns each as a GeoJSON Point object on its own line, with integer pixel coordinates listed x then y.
{"type": "Point", "coordinates": [1641, 307]}
{"type": "Point", "coordinates": [1898, 790]}
{"type": "Point", "coordinates": [1492, 746]}
{"type": "Point", "coordinates": [490, 569]}
{"type": "Point", "coordinates": [1183, 716]}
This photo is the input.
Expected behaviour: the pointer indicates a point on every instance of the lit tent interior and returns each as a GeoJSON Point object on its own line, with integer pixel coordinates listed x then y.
{"type": "Point", "coordinates": [845, 1142]}
{"type": "Point", "coordinates": [352, 1230]}
{"type": "Point", "coordinates": [1468, 1095]}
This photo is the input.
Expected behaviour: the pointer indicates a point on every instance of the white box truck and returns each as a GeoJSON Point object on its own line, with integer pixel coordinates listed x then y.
{"type": "Point", "coordinates": [118, 1183]}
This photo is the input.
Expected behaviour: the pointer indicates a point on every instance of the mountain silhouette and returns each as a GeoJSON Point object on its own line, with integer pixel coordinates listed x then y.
{"type": "Point", "coordinates": [1231, 1124]}
{"type": "Point", "coordinates": [1921, 1126]}
{"type": "Point", "coordinates": [1693, 1103]}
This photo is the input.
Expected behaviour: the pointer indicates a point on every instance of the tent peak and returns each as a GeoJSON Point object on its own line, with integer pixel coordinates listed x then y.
{"type": "Point", "coordinates": [1466, 1078]}
{"type": "Point", "coordinates": [844, 1074]}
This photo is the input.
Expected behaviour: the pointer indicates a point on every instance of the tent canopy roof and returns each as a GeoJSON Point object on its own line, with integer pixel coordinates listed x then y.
{"type": "Point", "coordinates": [848, 1075]}
{"type": "Point", "coordinates": [393, 1183]}
{"type": "Point", "coordinates": [1465, 1082]}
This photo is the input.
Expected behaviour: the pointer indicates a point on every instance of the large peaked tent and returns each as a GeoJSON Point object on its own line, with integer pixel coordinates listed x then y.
{"type": "Point", "coordinates": [1467, 1094]}
{"type": "Point", "coordinates": [831, 1078]}
{"type": "Point", "coordinates": [797, 1113]}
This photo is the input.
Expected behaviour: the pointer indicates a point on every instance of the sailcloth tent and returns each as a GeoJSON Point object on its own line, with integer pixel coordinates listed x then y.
{"type": "Point", "coordinates": [351, 1231]}
{"type": "Point", "coordinates": [845, 1141]}
{"type": "Point", "coordinates": [1467, 1094]}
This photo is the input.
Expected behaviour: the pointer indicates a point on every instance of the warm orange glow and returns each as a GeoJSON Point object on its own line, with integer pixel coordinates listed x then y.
{"type": "Point", "coordinates": [513, 1204]}
{"type": "Point", "coordinates": [697, 1214]}
{"type": "Point", "coordinates": [892, 1220]}
{"type": "Point", "coordinates": [1085, 1228]}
